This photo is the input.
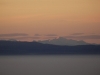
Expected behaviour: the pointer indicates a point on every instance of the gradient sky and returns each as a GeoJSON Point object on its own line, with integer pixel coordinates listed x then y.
{"type": "Point", "coordinates": [74, 19]}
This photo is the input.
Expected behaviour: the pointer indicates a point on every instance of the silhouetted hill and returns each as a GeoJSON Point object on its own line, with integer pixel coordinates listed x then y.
{"type": "Point", "coordinates": [63, 41]}
{"type": "Point", "coordinates": [26, 48]}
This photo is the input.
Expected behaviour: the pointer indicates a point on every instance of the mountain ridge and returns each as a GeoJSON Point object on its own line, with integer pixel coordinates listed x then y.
{"type": "Point", "coordinates": [64, 41]}
{"type": "Point", "coordinates": [32, 48]}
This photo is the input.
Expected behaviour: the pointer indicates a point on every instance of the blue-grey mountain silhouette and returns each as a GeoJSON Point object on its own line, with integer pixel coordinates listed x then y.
{"type": "Point", "coordinates": [27, 48]}
{"type": "Point", "coordinates": [63, 41]}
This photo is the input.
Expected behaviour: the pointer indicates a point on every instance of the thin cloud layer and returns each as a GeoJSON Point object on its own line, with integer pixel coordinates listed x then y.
{"type": "Point", "coordinates": [13, 35]}
{"type": "Point", "coordinates": [85, 37]}
{"type": "Point", "coordinates": [37, 35]}
{"type": "Point", "coordinates": [21, 38]}
{"type": "Point", "coordinates": [34, 37]}
{"type": "Point", "coordinates": [77, 34]}
{"type": "Point", "coordinates": [51, 35]}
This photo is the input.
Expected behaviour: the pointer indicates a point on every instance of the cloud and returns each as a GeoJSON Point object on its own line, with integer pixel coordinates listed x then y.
{"type": "Point", "coordinates": [21, 38]}
{"type": "Point", "coordinates": [37, 35]}
{"type": "Point", "coordinates": [84, 37]}
{"type": "Point", "coordinates": [77, 33]}
{"type": "Point", "coordinates": [51, 35]}
{"type": "Point", "coordinates": [13, 35]}
{"type": "Point", "coordinates": [45, 35]}
{"type": "Point", "coordinates": [34, 37]}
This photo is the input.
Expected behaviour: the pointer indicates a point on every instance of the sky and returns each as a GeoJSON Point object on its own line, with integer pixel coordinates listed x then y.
{"type": "Point", "coordinates": [45, 19]}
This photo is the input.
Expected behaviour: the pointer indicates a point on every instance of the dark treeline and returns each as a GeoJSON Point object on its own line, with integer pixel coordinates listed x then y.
{"type": "Point", "coordinates": [27, 48]}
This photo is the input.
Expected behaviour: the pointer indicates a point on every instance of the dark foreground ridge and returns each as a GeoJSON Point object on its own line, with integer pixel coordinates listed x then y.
{"type": "Point", "coordinates": [32, 48]}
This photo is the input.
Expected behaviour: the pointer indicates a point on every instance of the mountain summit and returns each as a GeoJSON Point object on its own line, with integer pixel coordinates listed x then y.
{"type": "Point", "coordinates": [63, 41]}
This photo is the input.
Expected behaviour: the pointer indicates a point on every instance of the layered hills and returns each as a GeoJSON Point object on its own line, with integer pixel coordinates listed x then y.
{"type": "Point", "coordinates": [32, 48]}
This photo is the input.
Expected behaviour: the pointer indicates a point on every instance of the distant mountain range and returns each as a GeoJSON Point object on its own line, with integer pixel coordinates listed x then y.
{"type": "Point", "coordinates": [64, 41]}
{"type": "Point", "coordinates": [35, 48]}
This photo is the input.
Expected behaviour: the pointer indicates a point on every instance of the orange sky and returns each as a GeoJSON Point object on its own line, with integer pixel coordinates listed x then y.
{"type": "Point", "coordinates": [60, 17]}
